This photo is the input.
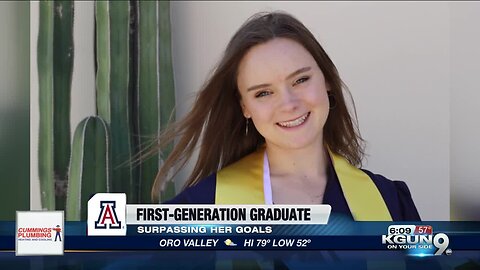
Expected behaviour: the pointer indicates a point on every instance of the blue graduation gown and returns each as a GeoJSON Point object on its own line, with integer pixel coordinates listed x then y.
{"type": "Point", "coordinates": [396, 195]}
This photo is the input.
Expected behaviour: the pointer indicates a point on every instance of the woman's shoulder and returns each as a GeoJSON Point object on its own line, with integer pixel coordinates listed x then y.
{"type": "Point", "coordinates": [201, 193]}
{"type": "Point", "coordinates": [397, 197]}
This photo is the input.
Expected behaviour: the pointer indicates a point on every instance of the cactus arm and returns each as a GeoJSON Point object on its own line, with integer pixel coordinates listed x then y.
{"type": "Point", "coordinates": [118, 93]}
{"type": "Point", "coordinates": [55, 64]}
{"type": "Point", "coordinates": [45, 76]}
{"type": "Point", "coordinates": [167, 87]}
{"type": "Point", "coordinates": [63, 68]}
{"type": "Point", "coordinates": [103, 59]}
{"type": "Point", "coordinates": [89, 166]}
{"type": "Point", "coordinates": [73, 207]}
{"type": "Point", "coordinates": [148, 103]}
{"type": "Point", "coordinates": [120, 125]}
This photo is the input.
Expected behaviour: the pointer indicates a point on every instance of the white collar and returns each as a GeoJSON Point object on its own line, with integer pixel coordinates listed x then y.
{"type": "Point", "coordinates": [267, 184]}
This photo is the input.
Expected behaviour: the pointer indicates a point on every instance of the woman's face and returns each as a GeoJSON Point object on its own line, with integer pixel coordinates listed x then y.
{"type": "Point", "coordinates": [284, 92]}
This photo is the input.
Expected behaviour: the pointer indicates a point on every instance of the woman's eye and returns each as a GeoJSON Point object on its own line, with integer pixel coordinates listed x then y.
{"type": "Point", "coordinates": [301, 80]}
{"type": "Point", "coordinates": [262, 94]}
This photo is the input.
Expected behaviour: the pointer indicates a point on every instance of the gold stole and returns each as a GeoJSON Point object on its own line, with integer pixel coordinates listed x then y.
{"type": "Point", "coordinates": [242, 183]}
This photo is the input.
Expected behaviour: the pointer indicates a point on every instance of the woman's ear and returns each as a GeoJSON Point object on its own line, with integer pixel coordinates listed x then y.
{"type": "Point", "coordinates": [327, 86]}
{"type": "Point", "coordinates": [245, 111]}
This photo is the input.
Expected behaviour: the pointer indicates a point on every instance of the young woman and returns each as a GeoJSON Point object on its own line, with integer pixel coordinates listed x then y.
{"type": "Point", "coordinates": [273, 127]}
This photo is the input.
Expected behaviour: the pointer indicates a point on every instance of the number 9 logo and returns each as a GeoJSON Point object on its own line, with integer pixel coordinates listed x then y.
{"type": "Point", "coordinates": [441, 246]}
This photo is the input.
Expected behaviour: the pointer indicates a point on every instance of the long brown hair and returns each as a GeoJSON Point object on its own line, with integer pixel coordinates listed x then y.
{"type": "Point", "coordinates": [216, 123]}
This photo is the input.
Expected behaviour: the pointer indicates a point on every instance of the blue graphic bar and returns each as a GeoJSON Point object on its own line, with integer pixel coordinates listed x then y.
{"type": "Point", "coordinates": [342, 236]}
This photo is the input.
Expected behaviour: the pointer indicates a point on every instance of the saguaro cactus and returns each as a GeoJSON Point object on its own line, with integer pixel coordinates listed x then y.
{"type": "Point", "coordinates": [55, 64]}
{"type": "Point", "coordinates": [135, 100]}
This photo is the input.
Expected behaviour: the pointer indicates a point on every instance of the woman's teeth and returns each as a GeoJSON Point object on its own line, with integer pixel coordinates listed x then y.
{"type": "Point", "coordinates": [295, 122]}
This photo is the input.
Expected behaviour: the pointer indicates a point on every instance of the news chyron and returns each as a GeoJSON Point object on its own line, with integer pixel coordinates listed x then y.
{"type": "Point", "coordinates": [204, 226]}
{"type": "Point", "coordinates": [417, 240]}
{"type": "Point", "coordinates": [249, 227]}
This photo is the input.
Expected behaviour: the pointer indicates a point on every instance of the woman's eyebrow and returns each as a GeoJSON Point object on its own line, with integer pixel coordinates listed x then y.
{"type": "Point", "coordinates": [298, 71]}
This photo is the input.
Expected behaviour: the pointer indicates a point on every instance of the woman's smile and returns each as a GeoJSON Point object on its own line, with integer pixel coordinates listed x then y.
{"type": "Point", "coordinates": [295, 122]}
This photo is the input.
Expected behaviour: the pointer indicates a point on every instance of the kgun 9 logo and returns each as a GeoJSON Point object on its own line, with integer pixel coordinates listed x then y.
{"type": "Point", "coordinates": [413, 237]}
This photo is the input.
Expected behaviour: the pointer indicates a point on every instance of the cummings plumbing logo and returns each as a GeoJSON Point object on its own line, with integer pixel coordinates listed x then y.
{"type": "Point", "coordinates": [106, 214]}
{"type": "Point", "coordinates": [39, 233]}
{"type": "Point", "coordinates": [418, 240]}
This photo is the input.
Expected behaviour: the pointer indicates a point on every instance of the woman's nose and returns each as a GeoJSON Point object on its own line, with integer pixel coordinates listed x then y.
{"type": "Point", "coordinates": [289, 101]}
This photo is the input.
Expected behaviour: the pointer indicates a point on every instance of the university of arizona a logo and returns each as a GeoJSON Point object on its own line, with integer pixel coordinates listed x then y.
{"type": "Point", "coordinates": [107, 214]}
